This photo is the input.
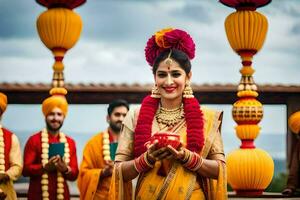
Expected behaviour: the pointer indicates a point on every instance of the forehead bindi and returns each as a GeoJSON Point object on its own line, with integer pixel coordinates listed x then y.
{"type": "Point", "coordinates": [169, 68]}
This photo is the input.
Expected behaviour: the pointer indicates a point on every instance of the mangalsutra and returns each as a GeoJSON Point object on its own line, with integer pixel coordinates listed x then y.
{"type": "Point", "coordinates": [169, 117]}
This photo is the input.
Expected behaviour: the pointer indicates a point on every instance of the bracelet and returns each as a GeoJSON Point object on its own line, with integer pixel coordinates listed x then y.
{"type": "Point", "coordinates": [186, 156]}
{"type": "Point", "coordinates": [142, 164]}
{"type": "Point", "coordinates": [194, 163]}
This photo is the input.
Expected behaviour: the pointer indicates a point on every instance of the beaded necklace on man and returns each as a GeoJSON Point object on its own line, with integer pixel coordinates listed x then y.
{"type": "Point", "coordinates": [106, 147]}
{"type": "Point", "coordinates": [169, 117]}
{"type": "Point", "coordinates": [45, 159]}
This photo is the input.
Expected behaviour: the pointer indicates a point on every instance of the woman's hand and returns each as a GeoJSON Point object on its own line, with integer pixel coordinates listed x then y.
{"type": "Point", "coordinates": [176, 154]}
{"type": "Point", "coordinates": [154, 153]}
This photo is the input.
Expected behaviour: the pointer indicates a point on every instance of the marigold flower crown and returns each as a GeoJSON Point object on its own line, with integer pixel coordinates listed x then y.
{"type": "Point", "coordinates": [169, 38]}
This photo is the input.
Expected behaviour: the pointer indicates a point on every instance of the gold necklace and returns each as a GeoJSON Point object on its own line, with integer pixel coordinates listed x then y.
{"type": "Point", "coordinates": [169, 117]}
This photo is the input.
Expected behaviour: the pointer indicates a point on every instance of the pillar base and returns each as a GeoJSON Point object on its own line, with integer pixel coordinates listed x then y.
{"type": "Point", "coordinates": [249, 192]}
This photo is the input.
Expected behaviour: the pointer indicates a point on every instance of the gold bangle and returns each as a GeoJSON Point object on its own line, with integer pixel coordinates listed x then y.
{"type": "Point", "coordinates": [199, 165]}
{"type": "Point", "coordinates": [186, 156]}
{"type": "Point", "coordinates": [147, 161]}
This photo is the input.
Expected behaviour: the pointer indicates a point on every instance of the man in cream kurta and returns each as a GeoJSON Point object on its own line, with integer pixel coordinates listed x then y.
{"type": "Point", "coordinates": [97, 163]}
{"type": "Point", "coordinates": [10, 157]}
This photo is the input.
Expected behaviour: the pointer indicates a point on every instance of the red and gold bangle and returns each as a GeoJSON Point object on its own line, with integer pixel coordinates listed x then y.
{"type": "Point", "coordinates": [194, 163]}
{"type": "Point", "coordinates": [199, 165]}
{"type": "Point", "coordinates": [142, 164]}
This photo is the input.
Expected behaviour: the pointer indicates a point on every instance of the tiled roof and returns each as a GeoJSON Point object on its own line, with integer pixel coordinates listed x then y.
{"type": "Point", "coordinates": [90, 87]}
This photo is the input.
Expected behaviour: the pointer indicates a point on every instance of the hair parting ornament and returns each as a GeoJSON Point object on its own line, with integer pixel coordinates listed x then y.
{"type": "Point", "coordinates": [169, 61]}
{"type": "Point", "coordinates": [169, 39]}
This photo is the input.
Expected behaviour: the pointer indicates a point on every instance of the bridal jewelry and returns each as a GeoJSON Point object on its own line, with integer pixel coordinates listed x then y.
{"type": "Point", "coordinates": [169, 117]}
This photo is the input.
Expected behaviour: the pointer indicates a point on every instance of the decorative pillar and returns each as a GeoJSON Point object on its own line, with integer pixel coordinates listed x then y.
{"type": "Point", "coordinates": [59, 28]}
{"type": "Point", "coordinates": [250, 169]}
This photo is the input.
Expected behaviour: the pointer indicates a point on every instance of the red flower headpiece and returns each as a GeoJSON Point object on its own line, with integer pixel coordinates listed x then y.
{"type": "Point", "coordinates": [169, 39]}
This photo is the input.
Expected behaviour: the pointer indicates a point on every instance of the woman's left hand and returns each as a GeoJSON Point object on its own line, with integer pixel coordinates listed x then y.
{"type": "Point", "coordinates": [176, 154]}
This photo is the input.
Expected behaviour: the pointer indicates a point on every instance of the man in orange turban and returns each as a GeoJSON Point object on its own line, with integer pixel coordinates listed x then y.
{"type": "Point", "coordinates": [49, 155]}
{"type": "Point", "coordinates": [10, 157]}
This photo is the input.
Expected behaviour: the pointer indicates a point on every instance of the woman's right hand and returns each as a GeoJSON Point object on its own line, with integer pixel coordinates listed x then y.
{"type": "Point", "coordinates": [155, 154]}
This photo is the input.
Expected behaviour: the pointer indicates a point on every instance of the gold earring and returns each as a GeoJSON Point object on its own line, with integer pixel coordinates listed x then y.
{"type": "Point", "coordinates": [155, 92]}
{"type": "Point", "coordinates": [188, 92]}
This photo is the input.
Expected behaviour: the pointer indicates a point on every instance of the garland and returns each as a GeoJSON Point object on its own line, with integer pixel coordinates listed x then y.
{"type": "Point", "coordinates": [2, 155]}
{"type": "Point", "coordinates": [194, 120]}
{"type": "Point", "coordinates": [106, 148]}
{"type": "Point", "coordinates": [45, 158]}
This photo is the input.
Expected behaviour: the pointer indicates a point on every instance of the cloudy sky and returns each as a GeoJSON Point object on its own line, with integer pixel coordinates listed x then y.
{"type": "Point", "coordinates": [111, 46]}
{"type": "Point", "coordinates": [111, 49]}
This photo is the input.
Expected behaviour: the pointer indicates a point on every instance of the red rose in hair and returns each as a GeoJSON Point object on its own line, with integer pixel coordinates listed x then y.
{"type": "Point", "coordinates": [180, 40]}
{"type": "Point", "coordinates": [152, 50]}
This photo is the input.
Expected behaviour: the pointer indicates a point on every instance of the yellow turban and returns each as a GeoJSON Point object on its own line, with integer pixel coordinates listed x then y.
{"type": "Point", "coordinates": [294, 122]}
{"type": "Point", "coordinates": [57, 100]}
{"type": "Point", "coordinates": [3, 102]}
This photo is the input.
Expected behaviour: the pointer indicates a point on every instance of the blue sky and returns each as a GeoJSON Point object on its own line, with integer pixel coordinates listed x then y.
{"type": "Point", "coordinates": [111, 46]}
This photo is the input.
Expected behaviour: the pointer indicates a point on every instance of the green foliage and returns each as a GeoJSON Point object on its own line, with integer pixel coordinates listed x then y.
{"type": "Point", "coordinates": [278, 183]}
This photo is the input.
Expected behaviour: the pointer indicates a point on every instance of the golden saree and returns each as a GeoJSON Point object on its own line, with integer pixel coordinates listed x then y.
{"type": "Point", "coordinates": [179, 183]}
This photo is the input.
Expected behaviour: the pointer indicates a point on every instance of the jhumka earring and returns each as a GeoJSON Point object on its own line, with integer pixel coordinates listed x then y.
{"type": "Point", "coordinates": [188, 92]}
{"type": "Point", "coordinates": [155, 92]}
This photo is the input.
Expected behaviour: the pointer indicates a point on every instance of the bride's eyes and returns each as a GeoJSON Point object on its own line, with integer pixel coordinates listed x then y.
{"type": "Point", "coordinates": [174, 74]}
{"type": "Point", "coordinates": [162, 74]}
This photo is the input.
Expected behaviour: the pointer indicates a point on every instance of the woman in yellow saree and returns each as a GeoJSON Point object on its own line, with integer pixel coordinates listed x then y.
{"type": "Point", "coordinates": [194, 170]}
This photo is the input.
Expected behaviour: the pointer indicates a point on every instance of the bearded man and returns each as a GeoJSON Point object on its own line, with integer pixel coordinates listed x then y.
{"type": "Point", "coordinates": [48, 175]}
{"type": "Point", "coordinates": [98, 155]}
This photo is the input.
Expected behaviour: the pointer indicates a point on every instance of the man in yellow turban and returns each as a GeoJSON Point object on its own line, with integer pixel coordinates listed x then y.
{"type": "Point", "coordinates": [49, 155]}
{"type": "Point", "coordinates": [10, 157]}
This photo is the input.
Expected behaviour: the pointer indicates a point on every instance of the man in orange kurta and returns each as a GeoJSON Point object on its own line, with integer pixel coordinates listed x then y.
{"type": "Point", "coordinates": [97, 163]}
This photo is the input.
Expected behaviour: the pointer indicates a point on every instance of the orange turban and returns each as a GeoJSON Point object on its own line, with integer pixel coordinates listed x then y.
{"type": "Point", "coordinates": [57, 100]}
{"type": "Point", "coordinates": [294, 122]}
{"type": "Point", "coordinates": [3, 102]}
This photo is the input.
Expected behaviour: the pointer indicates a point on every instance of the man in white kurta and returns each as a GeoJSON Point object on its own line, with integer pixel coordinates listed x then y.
{"type": "Point", "coordinates": [10, 157]}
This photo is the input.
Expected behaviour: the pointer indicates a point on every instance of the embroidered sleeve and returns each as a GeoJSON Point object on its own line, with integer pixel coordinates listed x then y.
{"type": "Point", "coordinates": [217, 149]}
{"type": "Point", "coordinates": [125, 146]}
